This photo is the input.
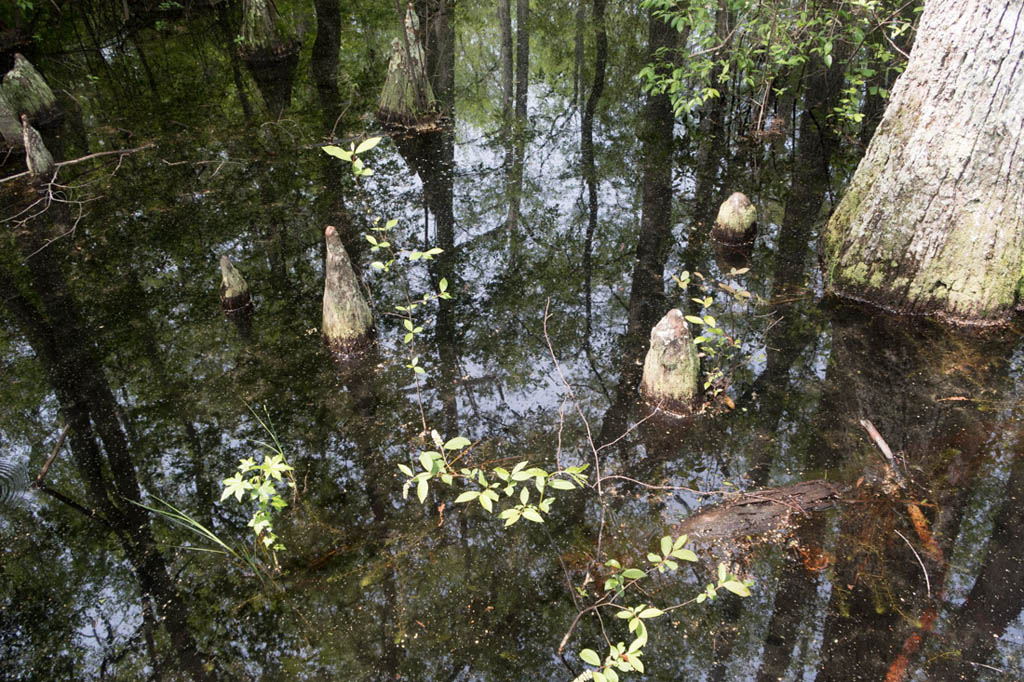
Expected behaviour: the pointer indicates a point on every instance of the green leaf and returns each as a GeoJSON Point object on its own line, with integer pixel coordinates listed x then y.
{"type": "Point", "coordinates": [611, 675]}
{"type": "Point", "coordinates": [560, 484]}
{"type": "Point", "coordinates": [599, 677]}
{"type": "Point", "coordinates": [421, 490]}
{"type": "Point", "coordinates": [613, 563]}
{"type": "Point", "coordinates": [666, 545]}
{"type": "Point", "coordinates": [651, 612]}
{"type": "Point", "coordinates": [634, 660]}
{"type": "Point", "coordinates": [532, 514]}
{"type": "Point", "coordinates": [275, 466]}
{"type": "Point", "coordinates": [468, 496]}
{"type": "Point", "coordinates": [684, 554]}
{"type": "Point", "coordinates": [624, 614]}
{"type": "Point", "coordinates": [236, 485]}
{"type": "Point", "coordinates": [338, 152]}
{"type": "Point", "coordinates": [654, 558]}
{"type": "Point", "coordinates": [524, 495]}
{"type": "Point", "coordinates": [694, 319]}
{"type": "Point", "coordinates": [709, 321]}
{"type": "Point", "coordinates": [736, 587]}
{"type": "Point", "coordinates": [633, 573]}
{"type": "Point", "coordinates": [682, 539]}
{"type": "Point", "coordinates": [442, 285]}
{"type": "Point", "coordinates": [405, 470]}
{"type": "Point", "coordinates": [486, 503]}
{"type": "Point", "coordinates": [590, 656]}
{"type": "Point", "coordinates": [426, 461]}
{"type": "Point", "coordinates": [457, 443]}
{"type": "Point", "coordinates": [367, 144]}
{"type": "Point", "coordinates": [722, 573]}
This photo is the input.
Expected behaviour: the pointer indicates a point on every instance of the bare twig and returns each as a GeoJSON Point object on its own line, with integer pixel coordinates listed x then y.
{"type": "Point", "coordinates": [53, 455]}
{"type": "Point", "coordinates": [572, 394]}
{"type": "Point", "coordinates": [927, 582]}
{"type": "Point", "coordinates": [87, 157]}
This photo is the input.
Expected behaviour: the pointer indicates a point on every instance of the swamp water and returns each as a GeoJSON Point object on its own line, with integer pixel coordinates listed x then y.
{"type": "Point", "coordinates": [111, 324]}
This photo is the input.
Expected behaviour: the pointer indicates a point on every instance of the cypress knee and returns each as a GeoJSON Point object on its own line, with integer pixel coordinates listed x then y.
{"type": "Point", "coordinates": [737, 220]}
{"type": "Point", "coordinates": [672, 367]}
{"type": "Point", "coordinates": [347, 322]}
{"type": "Point", "coordinates": [235, 298]}
{"type": "Point", "coordinates": [26, 92]}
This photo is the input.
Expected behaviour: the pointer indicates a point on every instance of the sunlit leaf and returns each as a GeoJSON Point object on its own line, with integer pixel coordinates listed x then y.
{"type": "Point", "coordinates": [590, 656]}
{"type": "Point", "coordinates": [421, 490]}
{"type": "Point", "coordinates": [467, 496]}
{"type": "Point", "coordinates": [426, 461]}
{"type": "Point", "coordinates": [367, 144]}
{"type": "Point", "coordinates": [736, 587]}
{"type": "Point", "coordinates": [457, 443]}
{"type": "Point", "coordinates": [684, 554]}
{"type": "Point", "coordinates": [666, 545]}
{"type": "Point", "coordinates": [633, 573]}
{"type": "Point", "coordinates": [533, 515]}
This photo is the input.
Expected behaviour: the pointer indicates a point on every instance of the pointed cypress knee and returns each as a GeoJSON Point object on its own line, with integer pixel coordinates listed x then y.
{"type": "Point", "coordinates": [737, 220]}
{"type": "Point", "coordinates": [26, 92]}
{"type": "Point", "coordinates": [235, 299]}
{"type": "Point", "coordinates": [38, 158]}
{"type": "Point", "coordinates": [672, 367]}
{"type": "Point", "coordinates": [347, 324]}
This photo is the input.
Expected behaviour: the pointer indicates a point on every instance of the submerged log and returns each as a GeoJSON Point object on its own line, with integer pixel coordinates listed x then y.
{"type": "Point", "coordinates": [407, 99]}
{"type": "Point", "coordinates": [672, 367]}
{"type": "Point", "coordinates": [347, 321]}
{"type": "Point", "coordinates": [235, 299]}
{"type": "Point", "coordinates": [27, 93]}
{"type": "Point", "coordinates": [737, 220]}
{"type": "Point", "coordinates": [760, 512]}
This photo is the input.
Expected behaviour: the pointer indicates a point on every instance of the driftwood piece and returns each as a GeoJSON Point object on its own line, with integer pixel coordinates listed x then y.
{"type": "Point", "coordinates": [760, 512]}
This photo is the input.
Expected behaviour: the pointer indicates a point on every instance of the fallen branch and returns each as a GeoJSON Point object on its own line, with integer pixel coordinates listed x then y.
{"type": "Point", "coordinates": [87, 157]}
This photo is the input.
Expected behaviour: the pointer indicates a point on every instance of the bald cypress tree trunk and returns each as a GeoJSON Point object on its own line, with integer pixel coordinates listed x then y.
{"type": "Point", "coordinates": [933, 221]}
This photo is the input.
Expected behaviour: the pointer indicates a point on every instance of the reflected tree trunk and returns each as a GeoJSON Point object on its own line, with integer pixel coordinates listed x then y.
{"type": "Point", "coordinates": [507, 63]}
{"type": "Point", "coordinates": [897, 376]}
{"type": "Point", "coordinates": [997, 596]}
{"type": "Point", "coordinates": [589, 167]}
{"type": "Point", "coordinates": [647, 290]}
{"type": "Point", "coordinates": [71, 360]}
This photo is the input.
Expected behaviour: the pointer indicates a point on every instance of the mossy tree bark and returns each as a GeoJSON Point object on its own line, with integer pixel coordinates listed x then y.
{"type": "Point", "coordinates": [933, 221]}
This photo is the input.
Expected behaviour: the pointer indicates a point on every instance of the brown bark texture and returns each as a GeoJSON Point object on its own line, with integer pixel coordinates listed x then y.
{"type": "Point", "coordinates": [933, 220]}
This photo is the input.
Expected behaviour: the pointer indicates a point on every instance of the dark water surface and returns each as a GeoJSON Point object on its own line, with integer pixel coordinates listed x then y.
{"type": "Point", "coordinates": [111, 325]}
